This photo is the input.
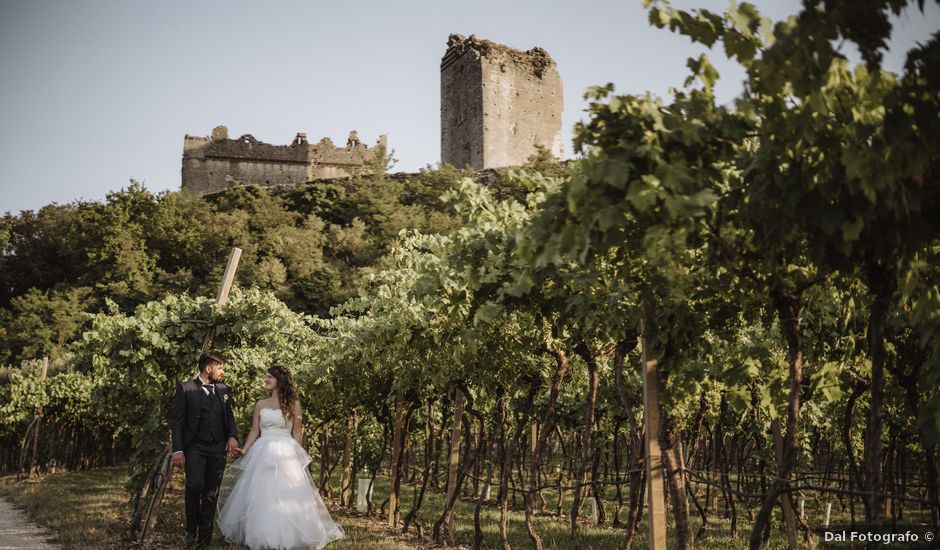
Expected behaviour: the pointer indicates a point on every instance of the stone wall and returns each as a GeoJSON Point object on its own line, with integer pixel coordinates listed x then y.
{"type": "Point", "coordinates": [461, 107]}
{"type": "Point", "coordinates": [497, 104]}
{"type": "Point", "coordinates": [215, 163]}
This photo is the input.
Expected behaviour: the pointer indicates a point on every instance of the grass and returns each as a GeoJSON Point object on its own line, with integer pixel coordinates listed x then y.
{"type": "Point", "coordinates": [79, 508]}
{"type": "Point", "coordinates": [90, 509]}
{"type": "Point", "coordinates": [553, 530]}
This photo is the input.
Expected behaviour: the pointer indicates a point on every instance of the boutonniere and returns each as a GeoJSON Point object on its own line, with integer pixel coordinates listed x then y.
{"type": "Point", "coordinates": [225, 397]}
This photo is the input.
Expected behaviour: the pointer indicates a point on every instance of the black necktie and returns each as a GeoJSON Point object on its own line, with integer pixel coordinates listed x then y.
{"type": "Point", "coordinates": [211, 388]}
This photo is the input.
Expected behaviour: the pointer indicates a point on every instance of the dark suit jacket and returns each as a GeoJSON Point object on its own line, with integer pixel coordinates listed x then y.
{"type": "Point", "coordinates": [187, 411]}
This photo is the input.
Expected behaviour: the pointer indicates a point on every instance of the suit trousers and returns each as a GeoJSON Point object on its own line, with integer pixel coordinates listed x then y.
{"type": "Point", "coordinates": [205, 464]}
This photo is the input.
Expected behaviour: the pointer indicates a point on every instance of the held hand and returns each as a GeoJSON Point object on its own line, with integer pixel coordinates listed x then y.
{"type": "Point", "coordinates": [231, 447]}
{"type": "Point", "coordinates": [178, 460]}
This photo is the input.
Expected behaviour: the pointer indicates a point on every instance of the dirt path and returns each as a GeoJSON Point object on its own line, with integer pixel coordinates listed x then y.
{"type": "Point", "coordinates": [17, 531]}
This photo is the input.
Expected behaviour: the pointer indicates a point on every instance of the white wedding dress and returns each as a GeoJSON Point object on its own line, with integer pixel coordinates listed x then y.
{"type": "Point", "coordinates": [268, 499]}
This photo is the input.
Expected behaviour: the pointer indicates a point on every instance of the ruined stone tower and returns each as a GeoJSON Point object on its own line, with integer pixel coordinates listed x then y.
{"type": "Point", "coordinates": [497, 103]}
{"type": "Point", "coordinates": [215, 163]}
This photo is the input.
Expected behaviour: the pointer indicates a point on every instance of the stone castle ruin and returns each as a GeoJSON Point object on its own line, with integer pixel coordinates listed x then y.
{"type": "Point", "coordinates": [498, 105]}
{"type": "Point", "coordinates": [215, 163]}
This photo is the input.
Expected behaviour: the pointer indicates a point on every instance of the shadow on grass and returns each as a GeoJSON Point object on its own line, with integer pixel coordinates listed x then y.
{"type": "Point", "coordinates": [90, 510]}
{"type": "Point", "coordinates": [82, 509]}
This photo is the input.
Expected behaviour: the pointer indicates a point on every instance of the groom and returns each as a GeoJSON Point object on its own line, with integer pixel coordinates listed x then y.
{"type": "Point", "coordinates": [203, 429]}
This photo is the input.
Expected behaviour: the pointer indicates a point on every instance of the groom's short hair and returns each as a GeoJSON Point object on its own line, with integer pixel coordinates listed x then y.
{"type": "Point", "coordinates": [210, 358]}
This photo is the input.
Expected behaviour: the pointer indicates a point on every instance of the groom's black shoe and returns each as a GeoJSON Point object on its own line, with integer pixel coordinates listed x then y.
{"type": "Point", "coordinates": [189, 540]}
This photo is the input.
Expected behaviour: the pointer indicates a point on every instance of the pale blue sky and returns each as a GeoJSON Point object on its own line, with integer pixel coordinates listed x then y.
{"type": "Point", "coordinates": [95, 93]}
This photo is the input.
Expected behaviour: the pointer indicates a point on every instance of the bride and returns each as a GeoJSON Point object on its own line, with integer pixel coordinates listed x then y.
{"type": "Point", "coordinates": [268, 498]}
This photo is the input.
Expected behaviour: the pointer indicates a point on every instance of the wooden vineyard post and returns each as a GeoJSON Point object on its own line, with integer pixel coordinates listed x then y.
{"type": "Point", "coordinates": [535, 434]}
{"type": "Point", "coordinates": [228, 277]}
{"type": "Point", "coordinates": [145, 513]}
{"type": "Point", "coordinates": [789, 516]}
{"type": "Point", "coordinates": [39, 413]}
{"type": "Point", "coordinates": [31, 440]}
{"type": "Point", "coordinates": [346, 485]}
{"type": "Point", "coordinates": [325, 460]}
{"type": "Point", "coordinates": [652, 452]}
{"type": "Point", "coordinates": [453, 464]}
{"type": "Point", "coordinates": [396, 451]}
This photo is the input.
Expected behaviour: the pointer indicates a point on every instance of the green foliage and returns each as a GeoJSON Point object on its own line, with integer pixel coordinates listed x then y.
{"type": "Point", "coordinates": [43, 323]}
{"type": "Point", "coordinates": [311, 246]}
{"type": "Point", "coordinates": [156, 348]}
{"type": "Point", "coordinates": [735, 235]}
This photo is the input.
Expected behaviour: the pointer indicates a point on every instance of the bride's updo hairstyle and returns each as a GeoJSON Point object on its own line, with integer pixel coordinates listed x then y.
{"type": "Point", "coordinates": [286, 393]}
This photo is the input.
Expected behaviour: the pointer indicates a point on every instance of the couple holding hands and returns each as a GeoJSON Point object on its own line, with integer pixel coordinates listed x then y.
{"type": "Point", "coordinates": [266, 498]}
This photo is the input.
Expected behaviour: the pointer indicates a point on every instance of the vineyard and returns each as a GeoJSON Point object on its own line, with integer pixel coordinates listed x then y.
{"type": "Point", "coordinates": [719, 322]}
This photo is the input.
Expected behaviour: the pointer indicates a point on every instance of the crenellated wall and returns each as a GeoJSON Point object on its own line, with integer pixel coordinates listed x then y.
{"type": "Point", "coordinates": [214, 163]}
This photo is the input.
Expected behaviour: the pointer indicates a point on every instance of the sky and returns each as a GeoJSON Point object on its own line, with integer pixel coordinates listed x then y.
{"type": "Point", "coordinates": [94, 93]}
